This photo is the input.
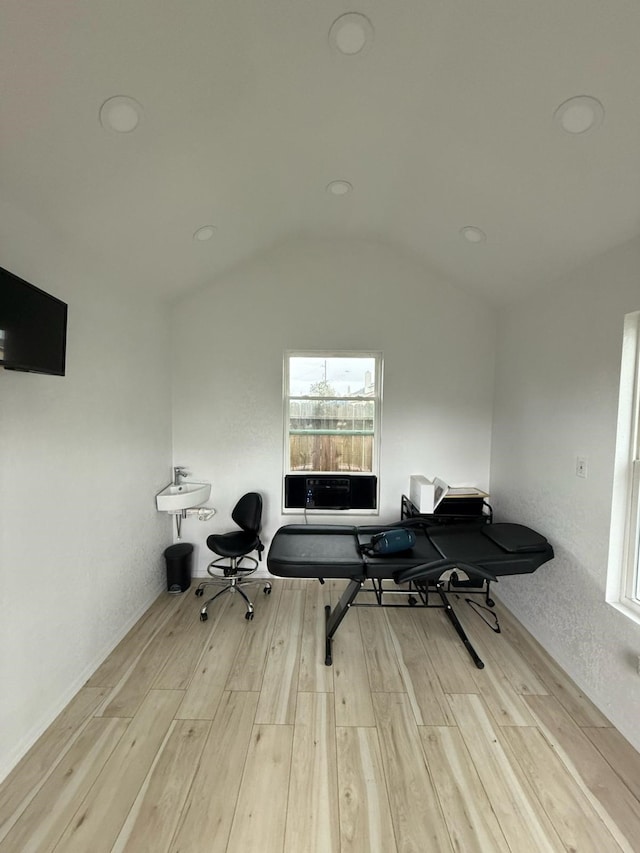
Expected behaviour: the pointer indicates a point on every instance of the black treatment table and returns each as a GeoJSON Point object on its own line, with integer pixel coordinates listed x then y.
{"type": "Point", "coordinates": [461, 557]}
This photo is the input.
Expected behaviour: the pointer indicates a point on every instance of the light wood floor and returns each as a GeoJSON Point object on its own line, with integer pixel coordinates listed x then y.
{"type": "Point", "coordinates": [233, 736]}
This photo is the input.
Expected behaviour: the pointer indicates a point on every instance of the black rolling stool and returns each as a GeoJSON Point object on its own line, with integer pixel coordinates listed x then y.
{"type": "Point", "coordinates": [234, 549]}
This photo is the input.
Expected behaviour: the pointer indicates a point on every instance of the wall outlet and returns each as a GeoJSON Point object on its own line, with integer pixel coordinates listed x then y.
{"type": "Point", "coordinates": [581, 466]}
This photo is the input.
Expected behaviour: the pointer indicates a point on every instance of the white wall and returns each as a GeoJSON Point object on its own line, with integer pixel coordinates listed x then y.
{"type": "Point", "coordinates": [438, 346]}
{"type": "Point", "coordinates": [557, 378]}
{"type": "Point", "coordinates": [76, 571]}
{"type": "Point", "coordinates": [81, 458]}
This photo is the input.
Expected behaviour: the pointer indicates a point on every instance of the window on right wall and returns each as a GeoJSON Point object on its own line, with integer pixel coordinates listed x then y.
{"type": "Point", "coordinates": [623, 580]}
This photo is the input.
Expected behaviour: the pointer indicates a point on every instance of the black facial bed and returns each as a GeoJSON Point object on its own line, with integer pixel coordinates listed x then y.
{"type": "Point", "coordinates": [460, 557]}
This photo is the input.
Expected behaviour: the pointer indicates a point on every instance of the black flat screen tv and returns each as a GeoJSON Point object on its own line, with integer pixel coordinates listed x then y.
{"type": "Point", "coordinates": [33, 327]}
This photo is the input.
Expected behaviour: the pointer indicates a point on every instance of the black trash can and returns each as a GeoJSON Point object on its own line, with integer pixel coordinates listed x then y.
{"type": "Point", "coordinates": [178, 559]}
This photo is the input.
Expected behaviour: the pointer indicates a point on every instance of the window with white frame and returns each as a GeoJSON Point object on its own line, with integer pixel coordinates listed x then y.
{"type": "Point", "coordinates": [623, 583]}
{"type": "Point", "coordinates": [332, 411]}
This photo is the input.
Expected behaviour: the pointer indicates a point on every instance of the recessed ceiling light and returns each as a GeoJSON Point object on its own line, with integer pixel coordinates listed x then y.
{"type": "Point", "coordinates": [351, 34]}
{"type": "Point", "coordinates": [473, 234]}
{"type": "Point", "coordinates": [120, 114]}
{"type": "Point", "coordinates": [204, 233]}
{"type": "Point", "coordinates": [339, 187]}
{"type": "Point", "coordinates": [580, 114]}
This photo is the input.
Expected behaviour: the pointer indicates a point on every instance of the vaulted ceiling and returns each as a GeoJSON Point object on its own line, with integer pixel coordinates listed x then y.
{"type": "Point", "coordinates": [436, 114]}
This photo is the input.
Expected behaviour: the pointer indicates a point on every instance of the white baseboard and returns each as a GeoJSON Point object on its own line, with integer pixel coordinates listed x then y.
{"type": "Point", "coordinates": [25, 744]}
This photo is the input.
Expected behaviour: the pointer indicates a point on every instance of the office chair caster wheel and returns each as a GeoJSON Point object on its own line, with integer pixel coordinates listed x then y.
{"type": "Point", "coordinates": [199, 592]}
{"type": "Point", "coordinates": [491, 602]}
{"type": "Point", "coordinates": [249, 615]}
{"type": "Point", "coordinates": [412, 601]}
{"type": "Point", "coordinates": [203, 617]}
{"type": "Point", "coordinates": [267, 590]}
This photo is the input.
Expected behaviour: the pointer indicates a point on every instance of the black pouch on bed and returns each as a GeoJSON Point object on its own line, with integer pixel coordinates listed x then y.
{"type": "Point", "coordinates": [391, 542]}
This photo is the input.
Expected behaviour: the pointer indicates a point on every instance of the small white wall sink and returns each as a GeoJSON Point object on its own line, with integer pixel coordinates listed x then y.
{"type": "Point", "coordinates": [186, 495]}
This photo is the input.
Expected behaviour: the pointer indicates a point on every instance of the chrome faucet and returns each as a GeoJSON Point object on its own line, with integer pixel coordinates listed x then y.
{"type": "Point", "coordinates": [178, 472]}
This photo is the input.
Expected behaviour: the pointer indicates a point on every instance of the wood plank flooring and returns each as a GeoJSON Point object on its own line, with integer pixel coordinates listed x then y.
{"type": "Point", "coordinates": [231, 735]}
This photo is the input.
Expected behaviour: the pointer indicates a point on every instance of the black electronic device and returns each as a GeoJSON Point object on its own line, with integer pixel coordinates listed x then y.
{"type": "Point", "coordinates": [33, 327]}
{"type": "Point", "coordinates": [330, 491]}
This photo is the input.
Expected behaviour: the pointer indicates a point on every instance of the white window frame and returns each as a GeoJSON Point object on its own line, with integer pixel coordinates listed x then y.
{"type": "Point", "coordinates": [377, 357]}
{"type": "Point", "coordinates": [623, 579]}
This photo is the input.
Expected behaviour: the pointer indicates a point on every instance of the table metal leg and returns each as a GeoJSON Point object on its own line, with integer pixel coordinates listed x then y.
{"type": "Point", "coordinates": [334, 617]}
{"type": "Point", "coordinates": [448, 609]}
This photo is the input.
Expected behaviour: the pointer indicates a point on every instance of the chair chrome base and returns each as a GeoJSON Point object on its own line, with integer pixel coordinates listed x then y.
{"type": "Point", "coordinates": [234, 578]}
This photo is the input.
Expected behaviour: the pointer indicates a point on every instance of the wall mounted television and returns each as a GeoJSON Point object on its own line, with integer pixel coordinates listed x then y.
{"type": "Point", "coordinates": [33, 327]}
